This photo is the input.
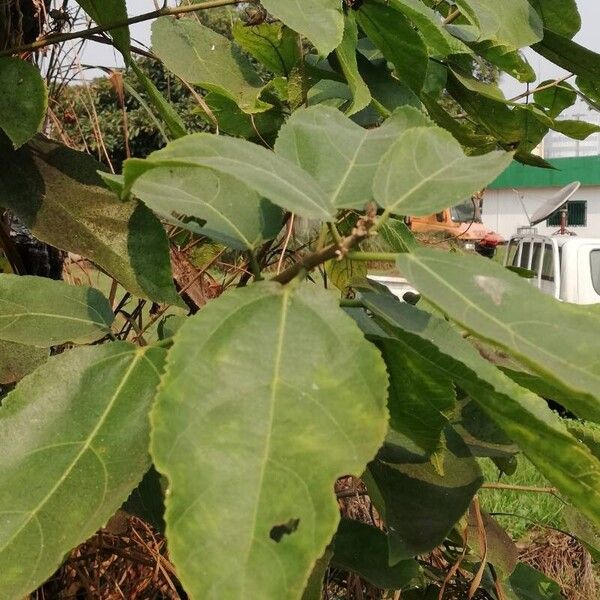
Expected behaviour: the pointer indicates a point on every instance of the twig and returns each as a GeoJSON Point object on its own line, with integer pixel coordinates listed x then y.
{"type": "Point", "coordinates": [520, 488]}
{"type": "Point", "coordinates": [337, 250]}
{"type": "Point", "coordinates": [541, 88]}
{"type": "Point", "coordinates": [166, 11]}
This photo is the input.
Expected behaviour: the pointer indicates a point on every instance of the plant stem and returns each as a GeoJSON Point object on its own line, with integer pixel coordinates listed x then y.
{"type": "Point", "coordinates": [373, 256]}
{"type": "Point", "coordinates": [166, 11]}
{"type": "Point", "coordinates": [520, 488]}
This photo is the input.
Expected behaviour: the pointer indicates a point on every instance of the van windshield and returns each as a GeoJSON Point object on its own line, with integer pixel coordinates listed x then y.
{"type": "Point", "coordinates": [465, 212]}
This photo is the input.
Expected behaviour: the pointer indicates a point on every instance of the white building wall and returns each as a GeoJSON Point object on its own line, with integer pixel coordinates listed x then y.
{"type": "Point", "coordinates": [503, 212]}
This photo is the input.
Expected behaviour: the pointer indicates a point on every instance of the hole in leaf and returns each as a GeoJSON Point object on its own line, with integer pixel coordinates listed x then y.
{"type": "Point", "coordinates": [278, 531]}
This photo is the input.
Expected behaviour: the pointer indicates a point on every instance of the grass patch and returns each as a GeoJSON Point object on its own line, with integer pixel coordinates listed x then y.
{"type": "Point", "coordinates": [527, 509]}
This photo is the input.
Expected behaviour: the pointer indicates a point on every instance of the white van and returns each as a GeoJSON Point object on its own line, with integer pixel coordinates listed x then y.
{"type": "Point", "coordinates": [563, 266]}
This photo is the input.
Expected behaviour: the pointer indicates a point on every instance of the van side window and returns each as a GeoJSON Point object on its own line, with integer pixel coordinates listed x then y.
{"type": "Point", "coordinates": [548, 263]}
{"type": "Point", "coordinates": [535, 261]}
{"type": "Point", "coordinates": [595, 268]}
{"type": "Point", "coordinates": [512, 253]}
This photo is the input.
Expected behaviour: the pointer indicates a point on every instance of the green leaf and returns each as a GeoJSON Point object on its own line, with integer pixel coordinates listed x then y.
{"type": "Point", "coordinates": [426, 159]}
{"type": "Point", "coordinates": [107, 12]}
{"type": "Point", "coordinates": [232, 213]}
{"type": "Point", "coordinates": [18, 360]}
{"type": "Point", "coordinates": [523, 416]}
{"type": "Point", "coordinates": [548, 390]}
{"type": "Point", "coordinates": [23, 99]}
{"type": "Point", "coordinates": [363, 549]}
{"type": "Point", "coordinates": [483, 88]}
{"type": "Point", "coordinates": [556, 98]}
{"type": "Point", "coordinates": [394, 35]}
{"type": "Point", "coordinates": [346, 55]}
{"type": "Point", "coordinates": [270, 175]}
{"type": "Point", "coordinates": [59, 196]}
{"type": "Point", "coordinates": [272, 44]}
{"type": "Point", "coordinates": [321, 21]}
{"type": "Point", "coordinates": [579, 130]}
{"type": "Point", "coordinates": [343, 273]}
{"type": "Point", "coordinates": [386, 90]}
{"type": "Point", "coordinates": [513, 63]}
{"type": "Point", "coordinates": [526, 583]}
{"type": "Point", "coordinates": [511, 24]}
{"type": "Point", "coordinates": [560, 16]}
{"type": "Point", "coordinates": [418, 505]}
{"type": "Point", "coordinates": [501, 307]}
{"type": "Point", "coordinates": [436, 36]}
{"type": "Point", "coordinates": [73, 444]}
{"type": "Point", "coordinates": [421, 399]}
{"type": "Point", "coordinates": [41, 312]}
{"type": "Point", "coordinates": [234, 121]}
{"type": "Point", "coordinates": [583, 530]}
{"type": "Point", "coordinates": [165, 109]}
{"type": "Point", "coordinates": [314, 586]}
{"type": "Point", "coordinates": [339, 154]}
{"type": "Point", "coordinates": [589, 88]}
{"type": "Point", "coordinates": [243, 449]}
{"type": "Point", "coordinates": [208, 59]}
{"type": "Point", "coordinates": [397, 236]}
{"type": "Point", "coordinates": [570, 56]}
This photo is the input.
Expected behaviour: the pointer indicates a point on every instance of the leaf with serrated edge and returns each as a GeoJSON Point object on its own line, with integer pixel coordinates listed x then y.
{"type": "Point", "coordinates": [321, 21]}
{"type": "Point", "coordinates": [206, 58]}
{"type": "Point", "coordinates": [248, 514]}
{"type": "Point", "coordinates": [338, 153]}
{"type": "Point", "coordinates": [233, 213]}
{"type": "Point", "coordinates": [426, 170]}
{"type": "Point", "coordinates": [42, 312]}
{"type": "Point", "coordinates": [73, 445]}
{"type": "Point", "coordinates": [270, 175]}
{"type": "Point", "coordinates": [523, 416]}
{"type": "Point", "coordinates": [503, 308]}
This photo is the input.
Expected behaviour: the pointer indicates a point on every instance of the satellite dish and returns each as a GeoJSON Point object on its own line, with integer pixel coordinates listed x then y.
{"type": "Point", "coordinates": [554, 203]}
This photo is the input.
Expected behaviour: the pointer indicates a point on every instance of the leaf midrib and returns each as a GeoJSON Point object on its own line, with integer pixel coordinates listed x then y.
{"type": "Point", "coordinates": [87, 445]}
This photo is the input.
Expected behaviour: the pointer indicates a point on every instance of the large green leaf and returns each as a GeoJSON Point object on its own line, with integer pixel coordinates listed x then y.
{"type": "Point", "coordinates": [232, 213]}
{"type": "Point", "coordinates": [73, 444]}
{"type": "Point", "coordinates": [395, 36]}
{"type": "Point", "coordinates": [426, 170]}
{"type": "Point", "coordinates": [511, 24]}
{"type": "Point", "coordinates": [436, 36]}
{"type": "Point", "coordinates": [23, 99]}
{"type": "Point", "coordinates": [420, 399]}
{"type": "Point", "coordinates": [505, 309]}
{"type": "Point", "coordinates": [574, 128]}
{"type": "Point", "coordinates": [59, 195]}
{"type": "Point", "coordinates": [363, 549]}
{"type": "Point", "coordinates": [570, 56]}
{"type": "Point", "coordinates": [321, 21]}
{"type": "Point", "coordinates": [108, 12]}
{"type": "Point", "coordinates": [346, 55]}
{"type": "Point", "coordinates": [18, 360]}
{"type": "Point", "coordinates": [208, 59]}
{"type": "Point", "coordinates": [560, 16]}
{"type": "Point", "coordinates": [259, 449]}
{"type": "Point", "coordinates": [270, 175]}
{"type": "Point", "coordinates": [418, 504]}
{"type": "Point", "coordinates": [273, 44]}
{"type": "Point", "coordinates": [527, 583]}
{"type": "Point", "coordinates": [339, 154]}
{"type": "Point", "coordinates": [41, 312]}
{"type": "Point", "coordinates": [523, 416]}
{"type": "Point", "coordinates": [556, 98]}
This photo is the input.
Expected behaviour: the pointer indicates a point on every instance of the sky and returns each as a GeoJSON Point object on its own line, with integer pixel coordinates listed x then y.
{"type": "Point", "coordinates": [98, 54]}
